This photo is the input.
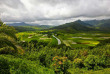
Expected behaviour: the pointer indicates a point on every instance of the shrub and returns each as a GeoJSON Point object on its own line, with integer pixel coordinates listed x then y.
{"type": "Point", "coordinates": [78, 63]}
{"type": "Point", "coordinates": [104, 61]}
{"type": "Point", "coordinates": [72, 54]}
{"type": "Point", "coordinates": [84, 53]}
{"type": "Point", "coordinates": [7, 50]}
{"type": "Point", "coordinates": [11, 65]}
{"type": "Point", "coordinates": [92, 62]}
{"type": "Point", "coordinates": [60, 64]}
{"type": "Point", "coordinates": [104, 42]}
{"type": "Point", "coordinates": [4, 66]}
{"type": "Point", "coordinates": [24, 44]}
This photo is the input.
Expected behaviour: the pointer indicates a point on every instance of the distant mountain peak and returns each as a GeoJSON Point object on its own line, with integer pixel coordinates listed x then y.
{"type": "Point", "coordinates": [22, 22]}
{"type": "Point", "coordinates": [19, 24]}
{"type": "Point", "coordinates": [82, 23]}
{"type": "Point", "coordinates": [78, 20]}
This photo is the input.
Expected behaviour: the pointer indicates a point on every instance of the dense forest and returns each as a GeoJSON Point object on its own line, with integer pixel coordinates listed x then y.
{"type": "Point", "coordinates": [35, 56]}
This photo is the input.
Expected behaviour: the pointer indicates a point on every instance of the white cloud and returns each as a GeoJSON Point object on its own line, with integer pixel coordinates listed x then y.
{"type": "Point", "coordinates": [53, 12]}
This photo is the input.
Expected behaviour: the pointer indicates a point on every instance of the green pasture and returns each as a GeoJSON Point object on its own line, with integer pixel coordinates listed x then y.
{"type": "Point", "coordinates": [28, 36]}
{"type": "Point", "coordinates": [83, 39]}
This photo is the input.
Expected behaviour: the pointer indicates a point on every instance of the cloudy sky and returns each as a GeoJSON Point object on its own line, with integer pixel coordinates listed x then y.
{"type": "Point", "coordinates": [53, 12]}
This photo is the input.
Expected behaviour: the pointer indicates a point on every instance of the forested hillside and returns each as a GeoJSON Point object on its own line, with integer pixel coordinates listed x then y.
{"type": "Point", "coordinates": [97, 22]}
{"type": "Point", "coordinates": [74, 27]}
{"type": "Point", "coordinates": [103, 25]}
{"type": "Point", "coordinates": [7, 39]}
{"type": "Point", "coordinates": [38, 52]}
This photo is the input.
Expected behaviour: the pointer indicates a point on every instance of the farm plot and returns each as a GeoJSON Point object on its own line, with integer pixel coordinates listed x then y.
{"type": "Point", "coordinates": [28, 36]}
{"type": "Point", "coordinates": [83, 39]}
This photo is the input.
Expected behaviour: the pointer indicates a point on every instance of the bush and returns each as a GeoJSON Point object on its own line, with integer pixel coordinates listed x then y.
{"type": "Point", "coordinates": [78, 63]}
{"type": "Point", "coordinates": [7, 50]}
{"type": "Point", "coordinates": [104, 61]}
{"type": "Point", "coordinates": [4, 66]}
{"type": "Point", "coordinates": [60, 64]}
{"type": "Point", "coordinates": [11, 65]}
{"type": "Point", "coordinates": [72, 54]}
{"type": "Point", "coordinates": [92, 62]}
{"type": "Point", "coordinates": [104, 42]}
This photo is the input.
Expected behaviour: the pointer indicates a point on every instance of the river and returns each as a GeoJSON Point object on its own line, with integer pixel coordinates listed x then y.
{"type": "Point", "coordinates": [59, 42]}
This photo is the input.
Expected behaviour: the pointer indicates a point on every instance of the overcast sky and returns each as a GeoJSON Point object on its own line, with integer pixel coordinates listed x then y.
{"type": "Point", "coordinates": [53, 12]}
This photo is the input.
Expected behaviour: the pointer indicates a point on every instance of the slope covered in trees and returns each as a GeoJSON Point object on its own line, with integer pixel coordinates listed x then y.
{"type": "Point", "coordinates": [103, 25]}
{"type": "Point", "coordinates": [7, 39]}
{"type": "Point", "coordinates": [77, 26]}
{"type": "Point", "coordinates": [96, 22]}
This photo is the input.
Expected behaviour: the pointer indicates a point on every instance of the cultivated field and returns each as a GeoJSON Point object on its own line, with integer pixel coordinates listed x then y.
{"type": "Point", "coordinates": [83, 39]}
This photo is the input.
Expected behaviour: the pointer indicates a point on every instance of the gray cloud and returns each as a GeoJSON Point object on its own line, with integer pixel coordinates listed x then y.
{"type": "Point", "coordinates": [53, 11]}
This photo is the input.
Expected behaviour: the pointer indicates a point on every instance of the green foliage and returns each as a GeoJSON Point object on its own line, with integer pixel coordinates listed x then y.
{"type": "Point", "coordinates": [60, 64]}
{"type": "Point", "coordinates": [1, 23]}
{"type": "Point", "coordinates": [24, 28]}
{"type": "Point", "coordinates": [43, 55]}
{"type": "Point", "coordinates": [10, 31]}
{"type": "Point", "coordinates": [78, 63]}
{"type": "Point", "coordinates": [72, 54]}
{"type": "Point", "coordinates": [81, 71]}
{"type": "Point", "coordinates": [5, 42]}
{"type": "Point", "coordinates": [103, 25]}
{"type": "Point", "coordinates": [7, 50]}
{"type": "Point", "coordinates": [104, 42]}
{"type": "Point", "coordinates": [7, 39]}
{"type": "Point", "coordinates": [4, 66]}
{"type": "Point", "coordinates": [21, 66]}
{"type": "Point", "coordinates": [53, 42]}
{"type": "Point", "coordinates": [92, 62]}
{"type": "Point", "coordinates": [78, 58]}
{"type": "Point", "coordinates": [73, 27]}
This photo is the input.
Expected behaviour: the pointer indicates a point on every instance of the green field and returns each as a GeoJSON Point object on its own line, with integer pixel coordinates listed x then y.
{"type": "Point", "coordinates": [83, 39]}
{"type": "Point", "coordinates": [73, 40]}
{"type": "Point", "coordinates": [29, 36]}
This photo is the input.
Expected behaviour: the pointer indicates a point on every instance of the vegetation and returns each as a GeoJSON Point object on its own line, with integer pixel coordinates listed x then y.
{"type": "Point", "coordinates": [38, 52]}
{"type": "Point", "coordinates": [7, 39]}
{"type": "Point", "coordinates": [103, 25]}
{"type": "Point", "coordinates": [73, 27]}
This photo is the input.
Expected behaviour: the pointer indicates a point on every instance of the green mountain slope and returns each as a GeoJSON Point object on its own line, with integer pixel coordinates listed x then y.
{"type": "Point", "coordinates": [104, 26]}
{"type": "Point", "coordinates": [83, 23]}
{"type": "Point", "coordinates": [76, 26]}
{"type": "Point", "coordinates": [97, 22]}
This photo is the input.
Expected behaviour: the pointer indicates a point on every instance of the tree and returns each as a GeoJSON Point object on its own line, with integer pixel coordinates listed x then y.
{"type": "Point", "coordinates": [7, 38]}
{"type": "Point", "coordinates": [1, 22]}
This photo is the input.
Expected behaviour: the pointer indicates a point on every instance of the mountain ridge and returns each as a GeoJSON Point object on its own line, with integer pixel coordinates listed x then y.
{"type": "Point", "coordinates": [74, 27]}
